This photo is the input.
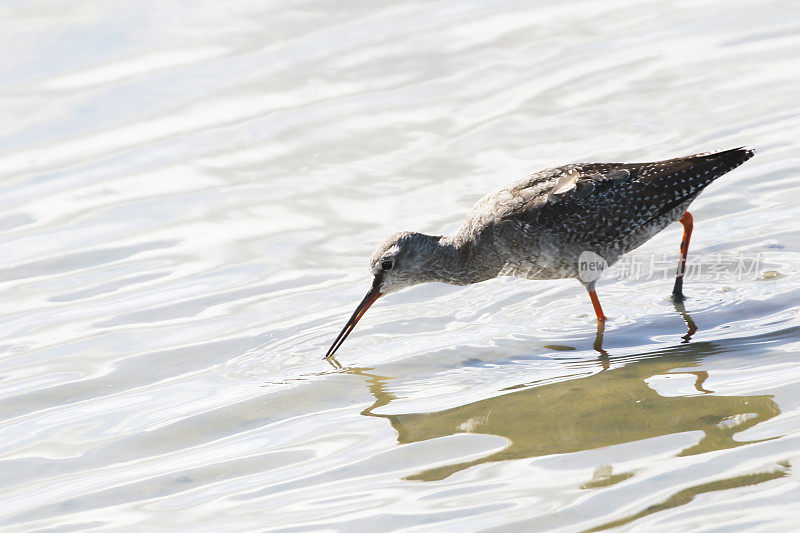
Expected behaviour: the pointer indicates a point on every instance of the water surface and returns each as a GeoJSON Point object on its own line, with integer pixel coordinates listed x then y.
{"type": "Point", "coordinates": [191, 191]}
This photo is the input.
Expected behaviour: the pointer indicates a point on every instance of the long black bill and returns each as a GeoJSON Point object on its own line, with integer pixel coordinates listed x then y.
{"type": "Point", "coordinates": [373, 294]}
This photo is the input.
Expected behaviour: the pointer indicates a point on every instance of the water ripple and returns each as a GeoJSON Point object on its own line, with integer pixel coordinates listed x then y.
{"type": "Point", "coordinates": [190, 196]}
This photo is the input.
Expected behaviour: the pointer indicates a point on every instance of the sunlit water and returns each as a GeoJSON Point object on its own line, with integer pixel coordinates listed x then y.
{"type": "Point", "coordinates": [190, 194]}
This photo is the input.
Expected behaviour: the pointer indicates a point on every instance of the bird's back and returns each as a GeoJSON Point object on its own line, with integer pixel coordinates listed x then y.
{"type": "Point", "coordinates": [542, 223]}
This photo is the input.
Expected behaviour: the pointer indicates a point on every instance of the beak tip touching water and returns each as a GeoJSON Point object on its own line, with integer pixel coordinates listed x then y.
{"type": "Point", "coordinates": [373, 294]}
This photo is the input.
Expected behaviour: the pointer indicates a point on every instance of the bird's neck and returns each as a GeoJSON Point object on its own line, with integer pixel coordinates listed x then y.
{"type": "Point", "coordinates": [457, 261]}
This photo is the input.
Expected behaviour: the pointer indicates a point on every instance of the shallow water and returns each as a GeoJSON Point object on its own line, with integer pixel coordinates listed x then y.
{"type": "Point", "coordinates": [190, 195]}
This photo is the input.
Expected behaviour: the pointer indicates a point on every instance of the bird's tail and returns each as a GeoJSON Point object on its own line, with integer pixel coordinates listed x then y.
{"type": "Point", "coordinates": [677, 181]}
{"type": "Point", "coordinates": [719, 163]}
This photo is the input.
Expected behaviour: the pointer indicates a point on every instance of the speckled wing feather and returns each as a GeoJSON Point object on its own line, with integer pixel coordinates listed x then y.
{"type": "Point", "coordinates": [598, 203]}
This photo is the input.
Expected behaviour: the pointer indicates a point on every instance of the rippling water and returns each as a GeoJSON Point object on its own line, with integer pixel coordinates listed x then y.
{"type": "Point", "coordinates": [190, 194]}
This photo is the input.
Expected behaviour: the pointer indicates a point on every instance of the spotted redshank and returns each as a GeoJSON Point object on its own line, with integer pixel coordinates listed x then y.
{"type": "Point", "coordinates": [550, 225]}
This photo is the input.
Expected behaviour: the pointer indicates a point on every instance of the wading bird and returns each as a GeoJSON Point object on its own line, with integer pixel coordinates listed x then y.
{"type": "Point", "coordinates": [558, 223]}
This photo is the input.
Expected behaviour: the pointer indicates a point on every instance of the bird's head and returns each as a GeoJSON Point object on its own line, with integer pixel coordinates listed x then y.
{"type": "Point", "coordinates": [402, 260]}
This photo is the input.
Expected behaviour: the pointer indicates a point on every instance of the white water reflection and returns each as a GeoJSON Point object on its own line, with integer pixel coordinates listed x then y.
{"type": "Point", "coordinates": [190, 194]}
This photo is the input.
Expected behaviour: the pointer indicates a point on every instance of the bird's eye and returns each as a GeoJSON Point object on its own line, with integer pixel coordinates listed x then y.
{"type": "Point", "coordinates": [387, 265]}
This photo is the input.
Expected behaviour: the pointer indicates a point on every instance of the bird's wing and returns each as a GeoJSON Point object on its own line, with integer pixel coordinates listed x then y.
{"type": "Point", "coordinates": [601, 201]}
{"type": "Point", "coordinates": [517, 198]}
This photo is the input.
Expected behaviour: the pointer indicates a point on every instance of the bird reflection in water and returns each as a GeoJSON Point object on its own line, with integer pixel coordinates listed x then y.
{"type": "Point", "coordinates": [691, 329]}
{"type": "Point", "coordinates": [613, 406]}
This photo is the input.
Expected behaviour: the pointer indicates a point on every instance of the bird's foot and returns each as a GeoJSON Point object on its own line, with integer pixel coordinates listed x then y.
{"type": "Point", "coordinates": [678, 297]}
{"type": "Point", "coordinates": [677, 290]}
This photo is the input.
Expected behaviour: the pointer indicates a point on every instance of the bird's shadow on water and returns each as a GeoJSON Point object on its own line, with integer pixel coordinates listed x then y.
{"type": "Point", "coordinates": [613, 406]}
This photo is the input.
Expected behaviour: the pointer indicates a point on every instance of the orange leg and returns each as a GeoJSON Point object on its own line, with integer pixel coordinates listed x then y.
{"type": "Point", "coordinates": [596, 303]}
{"type": "Point", "coordinates": [677, 291]}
